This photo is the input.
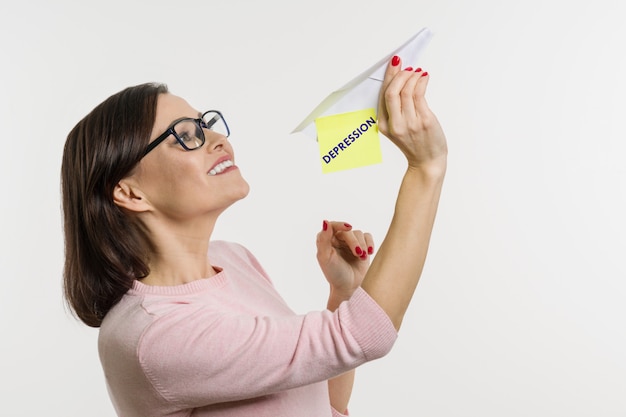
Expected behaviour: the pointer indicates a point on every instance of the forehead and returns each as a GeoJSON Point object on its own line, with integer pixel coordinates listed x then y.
{"type": "Point", "coordinates": [169, 109]}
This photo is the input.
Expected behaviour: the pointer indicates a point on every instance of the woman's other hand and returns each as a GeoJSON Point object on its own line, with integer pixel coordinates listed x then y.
{"type": "Point", "coordinates": [344, 257]}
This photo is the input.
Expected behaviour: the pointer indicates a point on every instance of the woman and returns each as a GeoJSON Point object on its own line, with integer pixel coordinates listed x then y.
{"type": "Point", "coordinates": [145, 177]}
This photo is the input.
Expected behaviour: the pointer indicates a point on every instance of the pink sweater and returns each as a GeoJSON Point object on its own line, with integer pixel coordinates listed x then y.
{"type": "Point", "coordinates": [230, 346]}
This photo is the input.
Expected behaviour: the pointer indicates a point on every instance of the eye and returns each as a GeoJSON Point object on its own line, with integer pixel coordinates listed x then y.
{"type": "Point", "coordinates": [189, 133]}
{"type": "Point", "coordinates": [186, 137]}
{"type": "Point", "coordinates": [186, 130]}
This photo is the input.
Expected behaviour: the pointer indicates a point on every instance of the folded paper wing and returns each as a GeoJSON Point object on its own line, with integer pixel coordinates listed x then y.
{"type": "Point", "coordinates": [362, 92]}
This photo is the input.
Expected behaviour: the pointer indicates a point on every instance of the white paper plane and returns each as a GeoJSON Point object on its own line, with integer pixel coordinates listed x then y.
{"type": "Point", "coordinates": [362, 92]}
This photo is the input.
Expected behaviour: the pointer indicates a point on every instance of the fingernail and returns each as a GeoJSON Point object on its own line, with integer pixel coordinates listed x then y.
{"type": "Point", "coordinates": [348, 225]}
{"type": "Point", "coordinates": [358, 250]}
{"type": "Point", "coordinates": [364, 256]}
{"type": "Point", "coordinates": [425, 73]}
{"type": "Point", "coordinates": [418, 70]}
{"type": "Point", "coordinates": [408, 69]}
{"type": "Point", "coordinates": [370, 250]}
{"type": "Point", "coordinates": [324, 226]}
{"type": "Point", "coordinates": [395, 61]}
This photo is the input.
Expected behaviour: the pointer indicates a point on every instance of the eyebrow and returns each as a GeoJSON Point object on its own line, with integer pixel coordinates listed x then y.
{"type": "Point", "coordinates": [183, 118]}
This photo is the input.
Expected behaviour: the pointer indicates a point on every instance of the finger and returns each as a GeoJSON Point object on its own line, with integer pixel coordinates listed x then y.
{"type": "Point", "coordinates": [343, 237]}
{"type": "Point", "coordinates": [356, 242]}
{"type": "Point", "coordinates": [324, 242]}
{"type": "Point", "coordinates": [398, 100]}
{"type": "Point", "coordinates": [337, 227]}
{"type": "Point", "coordinates": [369, 242]}
{"type": "Point", "coordinates": [349, 239]}
{"type": "Point", "coordinates": [408, 96]}
{"type": "Point", "coordinates": [420, 93]}
{"type": "Point", "coordinates": [393, 67]}
{"type": "Point", "coordinates": [328, 232]}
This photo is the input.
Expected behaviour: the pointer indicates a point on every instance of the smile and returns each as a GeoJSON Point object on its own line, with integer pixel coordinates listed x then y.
{"type": "Point", "coordinates": [221, 167]}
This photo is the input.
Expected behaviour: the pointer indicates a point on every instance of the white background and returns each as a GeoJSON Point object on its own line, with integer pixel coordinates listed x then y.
{"type": "Point", "coordinates": [521, 306]}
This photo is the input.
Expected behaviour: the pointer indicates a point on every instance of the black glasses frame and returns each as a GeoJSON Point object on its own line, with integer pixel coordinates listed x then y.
{"type": "Point", "coordinates": [201, 124]}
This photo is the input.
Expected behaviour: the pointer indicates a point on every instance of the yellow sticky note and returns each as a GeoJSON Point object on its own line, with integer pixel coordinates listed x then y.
{"type": "Point", "coordinates": [348, 140]}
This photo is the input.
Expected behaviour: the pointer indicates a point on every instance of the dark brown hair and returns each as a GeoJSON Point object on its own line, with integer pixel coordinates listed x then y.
{"type": "Point", "coordinates": [106, 249]}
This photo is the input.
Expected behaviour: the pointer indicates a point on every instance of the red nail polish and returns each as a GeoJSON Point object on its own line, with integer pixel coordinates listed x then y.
{"type": "Point", "coordinates": [370, 250]}
{"type": "Point", "coordinates": [358, 250]}
{"type": "Point", "coordinates": [348, 225]}
{"type": "Point", "coordinates": [408, 69]}
{"type": "Point", "coordinates": [364, 256]}
{"type": "Point", "coordinates": [424, 74]}
{"type": "Point", "coordinates": [324, 226]}
{"type": "Point", "coordinates": [418, 70]}
{"type": "Point", "coordinates": [395, 61]}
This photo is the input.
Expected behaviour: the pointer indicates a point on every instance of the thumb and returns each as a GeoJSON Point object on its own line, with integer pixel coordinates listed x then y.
{"type": "Point", "coordinates": [324, 243]}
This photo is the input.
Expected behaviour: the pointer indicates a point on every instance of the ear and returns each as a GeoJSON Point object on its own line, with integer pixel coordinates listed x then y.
{"type": "Point", "coordinates": [128, 197]}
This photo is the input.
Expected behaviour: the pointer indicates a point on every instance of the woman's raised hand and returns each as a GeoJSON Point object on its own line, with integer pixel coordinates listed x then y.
{"type": "Point", "coordinates": [405, 118]}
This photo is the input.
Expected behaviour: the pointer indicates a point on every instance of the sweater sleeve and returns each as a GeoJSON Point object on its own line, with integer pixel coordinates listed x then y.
{"type": "Point", "coordinates": [198, 356]}
{"type": "Point", "coordinates": [336, 413]}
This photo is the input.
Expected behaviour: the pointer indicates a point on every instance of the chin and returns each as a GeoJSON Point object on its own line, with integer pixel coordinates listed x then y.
{"type": "Point", "coordinates": [243, 191]}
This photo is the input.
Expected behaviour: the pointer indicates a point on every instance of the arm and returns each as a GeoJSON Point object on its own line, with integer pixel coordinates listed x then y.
{"type": "Point", "coordinates": [340, 387]}
{"type": "Point", "coordinates": [344, 268]}
{"type": "Point", "coordinates": [395, 272]}
{"type": "Point", "coordinates": [406, 119]}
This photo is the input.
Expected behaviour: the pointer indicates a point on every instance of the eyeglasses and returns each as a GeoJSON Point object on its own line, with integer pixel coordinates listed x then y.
{"type": "Point", "coordinates": [189, 132]}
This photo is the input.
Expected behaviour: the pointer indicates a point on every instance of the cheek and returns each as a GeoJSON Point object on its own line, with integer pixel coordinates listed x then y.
{"type": "Point", "coordinates": [173, 172]}
{"type": "Point", "coordinates": [178, 176]}
{"type": "Point", "coordinates": [157, 176]}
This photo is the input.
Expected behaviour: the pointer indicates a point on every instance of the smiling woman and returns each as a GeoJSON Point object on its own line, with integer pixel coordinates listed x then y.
{"type": "Point", "coordinates": [191, 326]}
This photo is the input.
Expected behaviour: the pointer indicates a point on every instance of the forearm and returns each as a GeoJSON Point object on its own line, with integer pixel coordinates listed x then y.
{"type": "Point", "coordinates": [340, 390]}
{"type": "Point", "coordinates": [395, 271]}
{"type": "Point", "coordinates": [340, 387]}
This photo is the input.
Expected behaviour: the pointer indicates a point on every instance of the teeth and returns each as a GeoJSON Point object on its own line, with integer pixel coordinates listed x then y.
{"type": "Point", "coordinates": [219, 168]}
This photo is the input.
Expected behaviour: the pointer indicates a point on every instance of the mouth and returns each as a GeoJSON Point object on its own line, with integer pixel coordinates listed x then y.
{"type": "Point", "coordinates": [222, 165]}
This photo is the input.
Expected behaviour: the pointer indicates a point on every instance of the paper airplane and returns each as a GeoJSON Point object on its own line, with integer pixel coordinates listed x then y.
{"type": "Point", "coordinates": [362, 92]}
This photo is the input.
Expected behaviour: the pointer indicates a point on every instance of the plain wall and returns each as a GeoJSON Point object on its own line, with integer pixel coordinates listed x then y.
{"type": "Point", "coordinates": [520, 310]}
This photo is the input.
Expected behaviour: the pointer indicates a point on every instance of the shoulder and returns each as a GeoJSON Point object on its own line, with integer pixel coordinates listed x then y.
{"type": "Point", "coordinates": [234, 256]}
{"type": "Point", "coordinates": [121, 331]}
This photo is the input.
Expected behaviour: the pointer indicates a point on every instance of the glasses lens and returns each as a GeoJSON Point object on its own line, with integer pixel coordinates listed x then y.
{"type": "Point", "coordinates": [189, 133]}
{"type": "Point", "coordinates": [214, 121]}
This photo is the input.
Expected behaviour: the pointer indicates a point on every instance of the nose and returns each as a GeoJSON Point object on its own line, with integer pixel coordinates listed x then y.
{"type": "Point", "coordinates": [214, 141]}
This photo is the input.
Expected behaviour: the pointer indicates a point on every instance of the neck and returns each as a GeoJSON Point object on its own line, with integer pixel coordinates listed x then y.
{"type": "Point", "coordinates": [180, 252]}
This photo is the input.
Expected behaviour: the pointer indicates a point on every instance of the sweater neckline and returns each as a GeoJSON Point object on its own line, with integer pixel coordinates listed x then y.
{"type": "Point", "coordinates": [198, 285]}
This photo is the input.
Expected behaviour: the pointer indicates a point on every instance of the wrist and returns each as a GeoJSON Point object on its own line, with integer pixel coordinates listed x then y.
{"type": "Point", "coordinates": [433, 170]}
{"type": "Point", "coordinates": [338, 296]}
